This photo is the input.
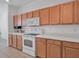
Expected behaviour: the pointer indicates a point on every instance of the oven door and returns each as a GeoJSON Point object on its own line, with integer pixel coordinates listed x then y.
{"type": "Point", "coordinates": [29, 42]}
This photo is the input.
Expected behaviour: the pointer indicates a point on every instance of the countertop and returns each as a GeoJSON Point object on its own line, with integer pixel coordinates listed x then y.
{"type": "Point", "coordinates": [70, 38]}
{"type": "Point", "coordinates": [16, 33]}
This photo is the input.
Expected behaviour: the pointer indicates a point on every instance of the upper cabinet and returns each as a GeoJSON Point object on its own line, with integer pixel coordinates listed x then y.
{"type": "Point", "coordinates": [67, 13]}
{"type": "Point", "coordinates": [15, 20]}
{"type": "Point", "coordinates": [76, 12]}
{"type": "Point", "coordinates": [55, 15]}
{"type": "Point", "coordinates": [44, 16]}
{"type": "Point", "coordinates": [24, 18]}
{"type": "Point", "coordinates": [36, 13]}
{"type": "Point", "coordinates": [19, 20]}
{"type": "Point", "coordinates": [29, 14]}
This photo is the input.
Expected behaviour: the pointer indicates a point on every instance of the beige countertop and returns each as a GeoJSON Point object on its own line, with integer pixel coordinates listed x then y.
{"type": "Point", "coordinates": [16, 33]}
{"type": "Point", "coordinates": [70, 38]}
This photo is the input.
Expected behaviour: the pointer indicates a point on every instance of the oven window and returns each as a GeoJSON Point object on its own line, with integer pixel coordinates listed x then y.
{"type": "Point", "coordinates": [28, 43]}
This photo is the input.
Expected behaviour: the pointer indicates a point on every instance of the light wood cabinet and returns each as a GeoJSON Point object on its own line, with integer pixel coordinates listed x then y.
{"type": "Point", "coordinates": [55, 15]}
{"type": "Point", "coordinates": [36, 13]}
{"type": "Point", "coordinates": [67, 13]}
{"type": "Point", "coordinates": [29, 14]}
{"type": "Point", "coordinates": [10, 40]}
{"type": "Point", "coordinates": [14, 41]}
{"type": "Point", "coordinates": [40, 48]}
{"type": "Point", "coordinates": [70, 50]}
{"type": "Point", "coordinates": [76, 14]}
{"type": "Point", "coordinates": [19, 20]}
{"type": "Point", "coordinates": [15, 20]}
{"type": "Point", "coordinates": [48, 48]}
{"type": "Point", "coordinates": [53, 49]}
{"type": "Point", "coordinates": [44, 16]}
{"type": "Point", "coordinates": [19, 42]}
{"type": "Point", "coordinates": [24, 18]}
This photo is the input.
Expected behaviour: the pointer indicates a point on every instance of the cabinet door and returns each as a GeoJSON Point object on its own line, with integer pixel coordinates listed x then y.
{"type": "Point", "coordinates": [55, 15]}
{"type": "Point", "coordinates": [29, 15]}
{"type": "Point", "coordinates": [76, 12]}
{"type": "Point", "coordinates": [41, 48]}
{"type": "Point", "coordinates": [53, 51]}
{"type": "Point", "coordinates": [19, 42]}
{"type": "Point", "coordinates": [67, 13]}
{"type": "Point", "coordinates": [44, 16]}
{"type": "Point", "coordinates": [14, 41]}
{"type": "Point", "coordinates": [70, 52]}
{"type": "Point", "coordinates": [15, 20]}
{"type": "Point", "coordinates": [10, 40]}
{"type": "Point", "coordinates": [36, 13]}
{"type": "Point", "coordinates": [24, 18]}
{"type": "Point", "coordinates": [19, 20]}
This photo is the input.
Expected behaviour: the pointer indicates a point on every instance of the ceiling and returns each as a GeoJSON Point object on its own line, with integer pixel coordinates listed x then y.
{"type": "Point", "coordinates": [20, 2]}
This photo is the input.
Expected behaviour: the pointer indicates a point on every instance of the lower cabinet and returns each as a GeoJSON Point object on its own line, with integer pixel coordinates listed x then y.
{"type": "Point", "coordinates": [10, 40]}
{"type": "Point", "coordinates": [70, 50]}
{"type": "Point", "coordinates": [15, 41]}
{"type": "Point", "coordinates": [53, 49]}
{"type": "Point", "coordinates": [40, 48]}
{"type": "Point", "coordinates": [19, 42]}
{"type": "Point", "coordinates": [46, 48]}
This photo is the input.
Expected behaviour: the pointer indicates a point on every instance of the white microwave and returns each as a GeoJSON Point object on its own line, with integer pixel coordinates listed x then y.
{"type": "Point", "coordinates": [33, 22]}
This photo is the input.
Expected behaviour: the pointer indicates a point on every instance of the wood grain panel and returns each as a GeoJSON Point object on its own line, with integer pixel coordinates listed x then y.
{"type": "Point", "coordinates": [54, 42]}
{"type": "Point", "coordinates": [76, 11]}
{"type": "Point", "coordinates": [29, 14]}
{"type": "Point", "coordinates": [41, 49]}
{"type": "Point", "coordinates": [19, 42]}
{"type": "Point", "coordinates": [53, 51]}
{"type": "Point", "coordinates": [10, 40]}
{"type": "Point", "coordinates": [67, 13]}
{"type": "Point", "coordinates": [36, 13]}
{"type": "Point", "coordinates": [70, 53]}
{"type": "Point", "coordinates": [44, 16]}
{"type": "Point", "coordinates": [55, 15]}
{"type": "Point", "coordinates": [24, 18]}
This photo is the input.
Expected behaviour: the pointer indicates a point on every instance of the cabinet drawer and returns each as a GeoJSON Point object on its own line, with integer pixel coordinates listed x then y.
{"type": "Point", "coordinates": [71, 44]}
{"type": "Point", "coordinates": [40, 40]}
{"type": "Point", "coordinates": [54, 42]}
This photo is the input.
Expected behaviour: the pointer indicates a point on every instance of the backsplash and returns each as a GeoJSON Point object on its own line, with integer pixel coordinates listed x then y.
{"type": "Point", "coordinates": [33, 30]}
{"type": "Point", "coordinates": [61, 29]}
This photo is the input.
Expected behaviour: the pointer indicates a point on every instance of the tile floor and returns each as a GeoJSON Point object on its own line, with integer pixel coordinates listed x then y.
{"type": "Point", "coordinates": [8, 52]}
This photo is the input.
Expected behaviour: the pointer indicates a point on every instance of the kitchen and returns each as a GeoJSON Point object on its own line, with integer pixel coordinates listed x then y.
{"type": "Point", "coordinates": [44, 29]}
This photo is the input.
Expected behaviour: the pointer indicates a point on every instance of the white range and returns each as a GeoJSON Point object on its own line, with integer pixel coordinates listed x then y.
{"type": "Point", "coordinates": [29, 40]}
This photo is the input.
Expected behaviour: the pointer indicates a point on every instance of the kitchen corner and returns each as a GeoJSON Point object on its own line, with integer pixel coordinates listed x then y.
{"type": "Point", "coordinates": [51, 32]}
